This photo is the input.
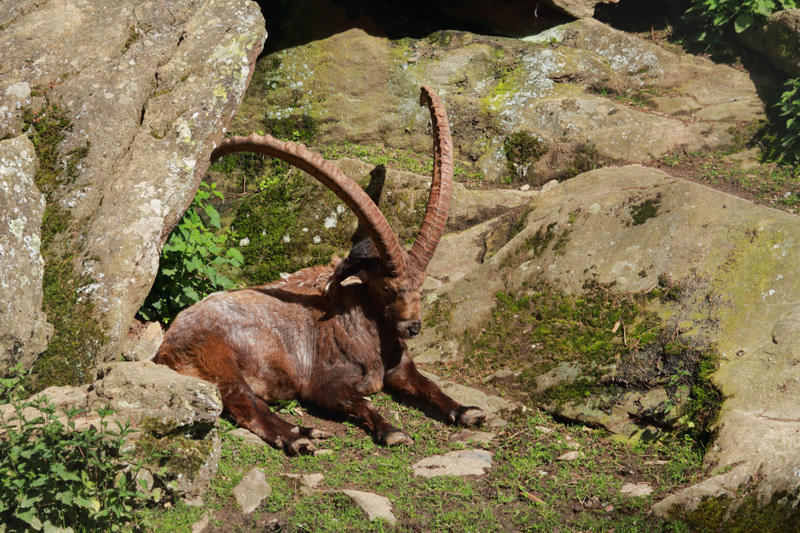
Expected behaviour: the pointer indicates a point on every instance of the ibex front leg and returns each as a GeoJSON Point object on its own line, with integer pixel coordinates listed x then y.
{"type": "Point", "coordinates": [344, 399]}
{"type": "Point", "coordinates": [405, 381]}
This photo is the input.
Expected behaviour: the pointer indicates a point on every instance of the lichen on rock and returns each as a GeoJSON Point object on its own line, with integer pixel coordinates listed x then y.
{"type": "Point", "coordinates": [24, 330]}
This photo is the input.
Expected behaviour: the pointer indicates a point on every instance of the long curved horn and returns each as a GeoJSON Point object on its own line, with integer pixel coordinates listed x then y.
{"type": "Point", "coordinates": [435, 219]}
{"type": "Point", "coordinates": [388, 245]}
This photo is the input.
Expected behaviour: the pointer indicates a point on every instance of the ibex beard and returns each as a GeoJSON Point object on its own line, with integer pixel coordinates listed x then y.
{"type": "Point", "coordinates": [328, 335]}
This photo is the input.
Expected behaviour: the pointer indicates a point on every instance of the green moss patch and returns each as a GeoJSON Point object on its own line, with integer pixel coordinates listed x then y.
{"type": "Point", "coordinates": [644, 211]}
{"type": "Point", "coordinates": [292, 223]}
{"type": "Point", "coordinates": [70, 357]}
{"type": "Point", "coordinates": [720, 515]}
{"type": "Point", "coordinates": [600, 346]}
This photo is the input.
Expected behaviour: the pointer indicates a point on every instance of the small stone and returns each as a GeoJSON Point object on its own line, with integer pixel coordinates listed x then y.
{"type": "Point", "coordinates": [252, 490]}
{"type": "Point", "coordinates": [525, 187]}
{"type": "Point", "coordinates": [498, 423]}
{"type": "Point", "coordinates": [310, 481]}
{"type": "Point", "coordinates": [458, 463]}
{"type": "Point", "coordinates": [195, 501]}
{"type": "Point", "coordinates": [544, 429]}
{"type": "Point", "coordinates": [322, 452]}
{"type": "Point", "coordinates": [469, 435]}
{"type": "Point", "coordinates": [549, 185]}
{"type": "Point", "coordinates": [373, 505]}
{"type": "Point", "coordinates": [636, 489]}
{"type": "Point", "coordinates": [570, 456]}
{"type": "Point", "coordinates": [247, 436]}
{"type": "Point", "coordinates": [200, 525]}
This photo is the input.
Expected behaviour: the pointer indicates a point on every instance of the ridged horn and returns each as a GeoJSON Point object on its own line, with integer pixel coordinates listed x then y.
{"type": "Point", "coordinates": [432, 228]}
{"type": "Point", "coordinates": [388, 245]}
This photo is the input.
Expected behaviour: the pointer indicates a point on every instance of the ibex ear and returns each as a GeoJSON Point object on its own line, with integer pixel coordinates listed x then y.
{"type": "Point", "coordinates": [352, 280]}
{"type": "Point", "coordinates": [350, 272]}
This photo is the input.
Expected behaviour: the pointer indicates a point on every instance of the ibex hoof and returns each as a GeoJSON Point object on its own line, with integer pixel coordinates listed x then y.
{"type": "Point", "coordinates": [311, 433]}
{"type": "Point", "coordinates": [301, 446]}
{"type": "Point", "coordinates": [470, 416]}
{"type": "Point", "coordinates": [396, 437]}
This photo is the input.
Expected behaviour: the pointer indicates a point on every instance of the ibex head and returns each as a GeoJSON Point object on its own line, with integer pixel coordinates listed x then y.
{"type": "Point", "coordinates": [392, 274]}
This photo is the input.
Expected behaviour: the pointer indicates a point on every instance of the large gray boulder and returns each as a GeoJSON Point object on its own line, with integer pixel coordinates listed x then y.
{"type": "Point", "coordinates": [582, 90]}
{"type": "Point", "coordinates": [779, 38]}
{"type": "Point", "coordinates": [149, 88]}
{"type": "Point", "coordinates": [24, 329]}
{"type": "Point", "coordinates": [737, 265]}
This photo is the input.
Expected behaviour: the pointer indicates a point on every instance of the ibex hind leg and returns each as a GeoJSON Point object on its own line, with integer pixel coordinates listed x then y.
{"type": "Point", "coordinates": [244, 406]}
{"type": "Point", "coordinates": [344, 399]}
{"type": "Point", "coordinates": [405, 381]}
{"type": "Point", "coordinates": [311, 433]}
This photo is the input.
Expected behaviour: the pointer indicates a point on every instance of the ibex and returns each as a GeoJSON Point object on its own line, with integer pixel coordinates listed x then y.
{"type": "Point", "coordinates": [314, 338]}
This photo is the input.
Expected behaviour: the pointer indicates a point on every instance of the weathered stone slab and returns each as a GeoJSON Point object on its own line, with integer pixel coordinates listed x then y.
{"type": "Point", "coordinates": [374, 506]}
{"type": "Point", "coordinates": [736, 263]}
{"type": "Point", "coordinates": [24, 330]}
{"type": "Point", "coordinates": [251, 491]}
{"type": "Point", "coordinates": [596, 92]}
{"type": "Point", "coordinates": [457, 463]}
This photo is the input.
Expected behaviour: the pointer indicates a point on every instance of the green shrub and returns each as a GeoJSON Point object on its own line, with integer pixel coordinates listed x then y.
{"type": "Point", "coordinates": [522, 149]}
{"type": "Point", "coordinates": [54, 476]}
{"type": "Point", "coordinates": [718, 21]}
{"type": "Point", "coordinates": [790, 110]}
{"type": "Point", "coordinates": [191, 260]}
{"type": "Point", "coordinates": [719, 18]}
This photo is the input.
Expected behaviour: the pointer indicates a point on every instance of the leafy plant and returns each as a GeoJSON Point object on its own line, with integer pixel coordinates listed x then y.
{"type": "Point", "coordinates": [192, 259]}
{"type": "Point", "coordinates": [719, 20]}
{"type": "Point", "coordinates": [718, 17]}
{"type": "Point", "coordinates": [54, 476]}
{"type": "Point", "coordinates": [790, 110]}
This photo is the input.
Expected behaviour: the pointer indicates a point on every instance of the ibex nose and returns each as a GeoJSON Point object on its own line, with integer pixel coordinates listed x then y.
{"type": "Point", "coordinates": [409, 328]}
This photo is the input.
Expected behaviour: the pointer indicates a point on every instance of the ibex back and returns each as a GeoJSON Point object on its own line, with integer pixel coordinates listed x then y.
{"type": "Point", "coordinates": [328, 335]}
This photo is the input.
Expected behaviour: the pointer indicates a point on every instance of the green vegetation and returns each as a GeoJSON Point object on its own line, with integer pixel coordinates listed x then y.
{"type": "Point", "coordinates": [439, 312]}
{"type": "Point", "coordinates": [78, 336]}
{"type": "Point", "coordinates": [396, 159]}
{"type": "Point", "coordinates": [719, 21]}
{"type": "Point", "coordinates": [789, 106]}
{"type": "Point", "coordinates": [192, 260]}
{"type": "Point", "coordinates": [718, 515]}
{"type": "Point", "coordinates": [54, 476]}
{"type": "Point", "coordinates": [611, 345]}
{"type": "Point", "coordinates": [644, 211]}
{"type": "Point", "coordinates": [527, 489]}
{"type": "Point", "coordinates": [280, 239]}
{"type": "Point", "coordinates": [71, 355]}
{"type": "Point", "coordinates": [771, 184]}
{"type": "Point", "coordinates": [522, 150]}
{"type": "Point", "coordinates": [47, 128]}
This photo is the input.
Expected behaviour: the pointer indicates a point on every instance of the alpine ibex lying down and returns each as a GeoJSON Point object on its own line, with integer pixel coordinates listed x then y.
{"type": "Point", "coordinates": [314, 338]}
